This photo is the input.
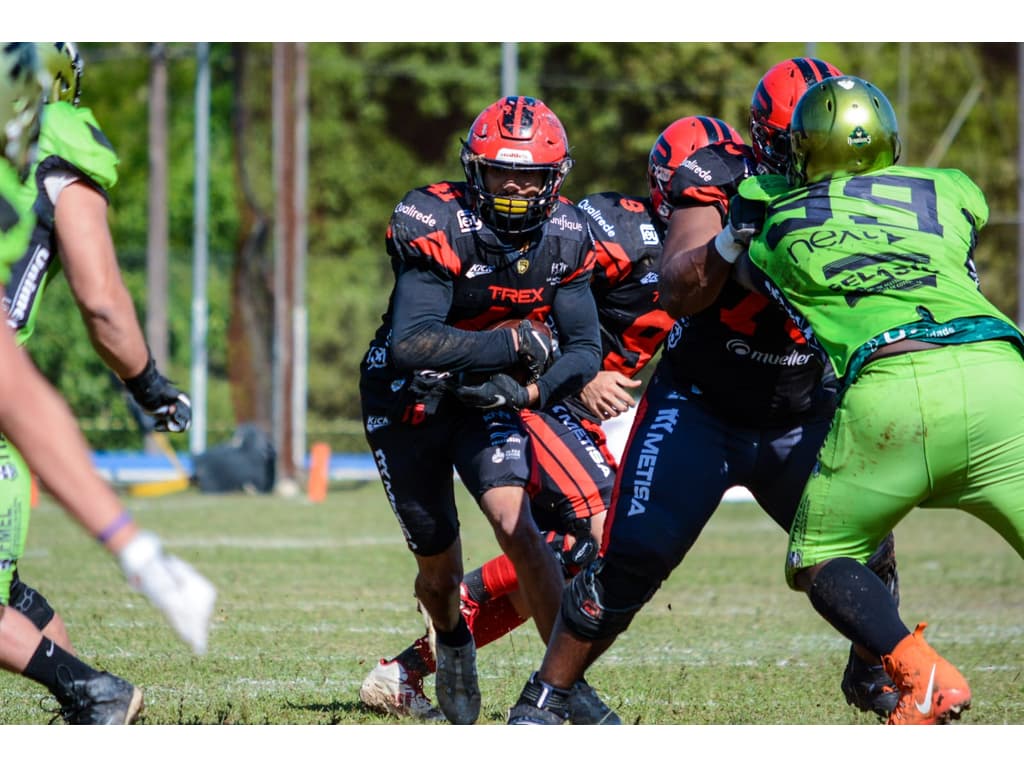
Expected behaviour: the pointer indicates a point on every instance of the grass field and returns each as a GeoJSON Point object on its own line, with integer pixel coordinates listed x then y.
{"type": "Point", "coordinates": [311, 595]}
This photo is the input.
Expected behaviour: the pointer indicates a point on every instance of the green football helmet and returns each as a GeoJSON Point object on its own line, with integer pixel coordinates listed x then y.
{"type": "Point", "coordinates": [64, 65]}
{"type": "Point", "coordinates": [842, 126]}
{"type": "Point", "coordinates": [21, 101]}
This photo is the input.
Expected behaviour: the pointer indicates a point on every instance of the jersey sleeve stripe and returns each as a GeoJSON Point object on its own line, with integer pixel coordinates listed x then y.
{"type": "Point", "coordinates": [436, 247]}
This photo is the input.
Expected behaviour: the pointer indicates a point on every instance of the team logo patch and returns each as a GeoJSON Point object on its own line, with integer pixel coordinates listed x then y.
{"type": "Point", "coordinates": [478, 269]}
{"type": "Point", "coordinates": [858, 138]}
{"type": "Point", "coordinates": [522, 265]}
{"type": "Point", "coordinates": [373, 423]}
{"type": "Point", "coordinates": [468, 221]}
{"type": "Point", "coordinates": [649, 234]}
{"type": "Point", "coordinates": [376, 357]}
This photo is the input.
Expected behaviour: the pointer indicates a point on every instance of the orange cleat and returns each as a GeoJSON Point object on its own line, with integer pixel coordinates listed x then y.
{"type": "Point", "coordinates": [932, 691]}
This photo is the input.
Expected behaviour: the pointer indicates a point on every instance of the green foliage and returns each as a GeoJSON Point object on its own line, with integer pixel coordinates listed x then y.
{"type": "Point", "coordinates": [387, 117]}
{"type": "Point", "coordinates": [312, 595]}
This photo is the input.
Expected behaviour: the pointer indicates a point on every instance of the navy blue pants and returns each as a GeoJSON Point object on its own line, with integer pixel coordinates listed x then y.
{"type": "Point", "coordinates": [679, 461]}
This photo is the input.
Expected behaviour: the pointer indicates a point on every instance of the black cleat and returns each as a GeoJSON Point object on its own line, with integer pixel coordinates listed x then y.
{"type": "Point", "coordinates": [103, 699]}
{"type": "Point", "coordinates": [458, 693]}
{"type": "Point", "coordinates": [540, 704]}
{"type": "Point", "coordinates": [868, 688]}
{"type": "Point", "coordinates": [586, 707]}
{"type": "Point", "coordinates": [527, 714]}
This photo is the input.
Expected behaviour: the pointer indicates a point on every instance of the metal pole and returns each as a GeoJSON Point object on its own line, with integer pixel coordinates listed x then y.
{"type": "Point", "coordinates": [284, 242]}
{"type": "Point", "coordinates": [156, 245]}
{"type": "Point", "coordinates": [277, 144]}
{"type": "Point", "coordinates": [200, 310]}
{"type": "Point", "coordinates": [509, 69]}
{"type": "Point", "coordinates": [299, 384]}
{"type": "Point", "coordinates": [157, 224]}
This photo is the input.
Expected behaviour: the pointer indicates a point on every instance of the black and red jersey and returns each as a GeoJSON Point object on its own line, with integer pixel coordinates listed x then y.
{"type": "Point", "coordinates": [628, 238]}
{"type": "Point", "coordinates": [455, 278]}
{"type": "Point", "coordinates": [746, 360]}
{"type": "Point", "coordinates": [742, 356]}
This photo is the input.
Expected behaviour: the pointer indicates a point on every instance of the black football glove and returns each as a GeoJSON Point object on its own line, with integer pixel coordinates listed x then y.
{"type": "Point", "coordinates": [746, 219]}
{"type": "Point", "coordinates": [535, 349]}
{"type": "Point", "coordinates": [499, 391]}
{"type": "Point", "coordinates": [746, 216]}
{"type": "Point", "coordinates": [170, 408]}
{"type": "Point", "coordinates": [584, 550]}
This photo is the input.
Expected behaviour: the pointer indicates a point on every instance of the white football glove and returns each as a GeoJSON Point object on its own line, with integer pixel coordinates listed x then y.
{"type": "Point", "coordinates": [177, 589]}
{"type": "Point", "coordinates": [746, 218]}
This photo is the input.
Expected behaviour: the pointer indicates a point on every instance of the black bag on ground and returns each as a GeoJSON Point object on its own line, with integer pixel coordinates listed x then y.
{"type": "Point", "coordinates": [246, 463]}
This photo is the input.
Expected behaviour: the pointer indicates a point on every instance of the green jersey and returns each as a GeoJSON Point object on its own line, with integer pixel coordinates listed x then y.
{"type": "Point", "coordinates": [71, 145]}
{"type": "Point", "coordinates": [16, 220]}
{"type": "Point", "coordinates": [868, 260]}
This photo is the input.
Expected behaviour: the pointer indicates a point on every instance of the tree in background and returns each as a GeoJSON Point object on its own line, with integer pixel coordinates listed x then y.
{"type": "Point", "coordinates": [387, 116]}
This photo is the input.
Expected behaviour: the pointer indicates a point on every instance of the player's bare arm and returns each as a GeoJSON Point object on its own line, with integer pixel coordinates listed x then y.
{"type": "Point", "coordinates": [90, 263]}
{"type": "Point", "coordinates": [692, 273]}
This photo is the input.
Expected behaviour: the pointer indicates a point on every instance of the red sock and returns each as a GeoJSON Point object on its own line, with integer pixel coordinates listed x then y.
{"type": "Point", "coordinates": [499, 576]}
{"type": "Point", "coordinates": [494, 619]}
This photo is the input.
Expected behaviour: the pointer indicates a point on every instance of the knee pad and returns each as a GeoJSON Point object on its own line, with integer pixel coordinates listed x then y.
{"type": "Point", "coordinates": [601, 600]}
{"type": "Point", "coordinates": [883, 563]}
{"type": "Point", "coordinates": [30, 604]}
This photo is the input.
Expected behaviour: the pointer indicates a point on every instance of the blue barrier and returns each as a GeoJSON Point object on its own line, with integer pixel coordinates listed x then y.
{"type": "Point", "coordinates": [126, 467]}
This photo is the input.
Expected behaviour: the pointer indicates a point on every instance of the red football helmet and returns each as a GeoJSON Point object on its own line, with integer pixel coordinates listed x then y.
{"type": "Point", "coordinates": [520, 133]}
{"type": "Point", "coordinates": [771, 108]}
{"type": "Point", "coordinates": [676, 143]}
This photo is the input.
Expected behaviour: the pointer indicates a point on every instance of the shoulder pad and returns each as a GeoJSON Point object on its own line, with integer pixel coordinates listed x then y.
{"type": "Point", "coordinates": [766, 187]}
{"type": "Point", "coordinates": [973, 198]}
{"type": "Point", "coordinates": [72, 134]}
{"type": "Point", "coordinates": [712, 174]}
{"type": "Point", "coordinates": [613, 214]}
{"type": "Point", "coordinates": [418, 233]}
{"type": "Point", "coordinates": [607, 203]}
{"type": "Point", "coordinates": [566, 219]}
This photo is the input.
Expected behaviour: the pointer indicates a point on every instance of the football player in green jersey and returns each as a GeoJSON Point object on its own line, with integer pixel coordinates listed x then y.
{"type": "Point", "coordinates": [39, 422]}
{"type": "Point", "coordinates": [874, 263]}
{"type": "Point", "coordinates": [73, 171]}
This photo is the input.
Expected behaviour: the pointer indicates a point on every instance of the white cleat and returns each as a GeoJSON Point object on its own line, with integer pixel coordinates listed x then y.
{"type": "Point", "coordinates": [390, 689]}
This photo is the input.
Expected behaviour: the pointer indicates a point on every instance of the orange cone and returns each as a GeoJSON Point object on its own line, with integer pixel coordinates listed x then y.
{"type": "Point", "coordinates": [319, 462]}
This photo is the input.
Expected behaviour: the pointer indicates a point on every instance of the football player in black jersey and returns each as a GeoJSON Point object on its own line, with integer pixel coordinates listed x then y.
{"type": "Point", "coordinates": [628, 232]}
{"type": "Point", "coordinates": [436, 395]}
{"type": "Point", "coordinates": [694, 165]}
{"type": "Point", "coordinates": [736, 399]}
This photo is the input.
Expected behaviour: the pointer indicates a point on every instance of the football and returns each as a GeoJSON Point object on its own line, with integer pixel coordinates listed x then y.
{"type": "Point", "coordinates": [519, 371]}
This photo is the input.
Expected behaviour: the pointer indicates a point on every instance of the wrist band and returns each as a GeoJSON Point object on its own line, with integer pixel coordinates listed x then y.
{"type": "Point", "coordinates": [108, 533]}
{"type": "Point", "coordinates": [727, 247]}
